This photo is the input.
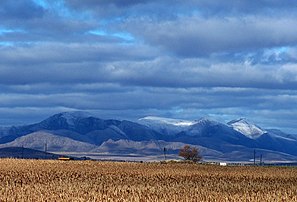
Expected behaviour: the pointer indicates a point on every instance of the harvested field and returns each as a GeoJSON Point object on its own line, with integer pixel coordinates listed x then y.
{"type": "Point", "coordinates": [49, 180]}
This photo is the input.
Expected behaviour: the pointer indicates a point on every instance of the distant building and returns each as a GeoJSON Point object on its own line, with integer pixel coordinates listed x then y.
{"type": "Point", "coordinates": [64, 158]}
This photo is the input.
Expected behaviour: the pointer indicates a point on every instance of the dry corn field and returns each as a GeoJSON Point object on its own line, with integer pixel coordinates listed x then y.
{"type": "Point", "coordinates": [49, 180]}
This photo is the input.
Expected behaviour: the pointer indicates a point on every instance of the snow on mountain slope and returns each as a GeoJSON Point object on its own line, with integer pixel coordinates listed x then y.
{"type": "Point", "coordinates": [166, 126]}
{"type": "Point", "coordinates": [169, 121]}
{"type": "Point", "coordinates": [246, 128]}
{"type": "Point", "coordinates": [72, 117]}
{"type": "Point", "coordinates": [206, 122]}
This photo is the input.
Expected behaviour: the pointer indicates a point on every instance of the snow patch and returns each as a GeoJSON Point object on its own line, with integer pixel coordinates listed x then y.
{"type": "Point", "coordinates": [71, 117]}
{"type": "Point", "coordinates": [246, 128]}
{"type": "Point", "coordinates": [169, 121]}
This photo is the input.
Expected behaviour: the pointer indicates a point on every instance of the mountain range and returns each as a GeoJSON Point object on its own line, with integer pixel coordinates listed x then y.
{"type": "Point", "coordinates": [83, 134]}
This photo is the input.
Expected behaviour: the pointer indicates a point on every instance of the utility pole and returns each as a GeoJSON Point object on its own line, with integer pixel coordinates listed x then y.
{"type": "Point", "coordinates": [165, 153]}
{"type": "Point", "coordinates": [22, 151]}
{"type": "Point", "coordinates": [45, 149]}
{"type": "Point", "coordinates": [261, 159]}
{"type": "Point", "coordinates": [254, 157]}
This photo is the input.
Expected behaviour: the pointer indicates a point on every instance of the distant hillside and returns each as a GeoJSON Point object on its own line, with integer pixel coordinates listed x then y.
{"type": "Point", "coordinates": [54, 143]}
{"type": "Point", "coordinates": [25, 153]}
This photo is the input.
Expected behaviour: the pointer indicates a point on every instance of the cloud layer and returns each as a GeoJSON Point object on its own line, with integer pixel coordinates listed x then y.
{"type": "Point", "coordinates": [128, 59]}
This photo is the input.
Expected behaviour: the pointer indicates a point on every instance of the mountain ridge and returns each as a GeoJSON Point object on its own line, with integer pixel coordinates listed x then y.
{"type": "Point", "coordinates": [82, 132]}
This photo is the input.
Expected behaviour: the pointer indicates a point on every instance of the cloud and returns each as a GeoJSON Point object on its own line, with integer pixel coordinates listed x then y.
{"type": "Point", "coordinates": [134, 102]}
{"type": "Point", "coordinates": [177, 7]}
{"type": "Point", "coordinates": [73, 53]}
{"type": "Point", "coordinates": [100, 3]}
{"type": "Point", "coordinates": [128, 66]}
{"type": "Point", "coordinates": [20, 10]}
{"type": "Point", "coordinates": [196, 36]}
{"type": "Point", "coordinates": [127, 59]}
{"type": "Point", "coordinates": [239, 8]}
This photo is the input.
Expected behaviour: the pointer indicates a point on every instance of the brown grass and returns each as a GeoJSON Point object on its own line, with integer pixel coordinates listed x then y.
{"type": "Point", "coordinates": [39, 180]}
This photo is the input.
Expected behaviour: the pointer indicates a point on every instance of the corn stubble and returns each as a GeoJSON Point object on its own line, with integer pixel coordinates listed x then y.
{"type": "Point", "coordinates": [49, 180]}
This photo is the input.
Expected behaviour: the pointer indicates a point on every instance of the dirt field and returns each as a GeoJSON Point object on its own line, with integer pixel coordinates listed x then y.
{"type": "Point", "coordinates": [49, 180]}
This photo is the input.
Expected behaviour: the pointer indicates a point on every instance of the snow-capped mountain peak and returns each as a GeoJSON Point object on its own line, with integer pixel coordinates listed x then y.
{"type": "Point", "coordinates": [246, 128]}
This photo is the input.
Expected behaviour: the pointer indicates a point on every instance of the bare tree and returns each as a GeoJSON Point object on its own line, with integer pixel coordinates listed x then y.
{"type": "Point", "coordinates": [190, 153]}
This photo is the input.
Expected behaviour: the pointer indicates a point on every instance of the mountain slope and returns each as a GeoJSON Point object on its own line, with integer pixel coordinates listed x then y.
{"type": "Point", "coordinates": [84, 128]}
{"type": "Point", "coordinates": [81, 132]}
{"type": "Point", "coordinates": [43, 140]}
{"type": "Point", "coordinates": [148, 147]}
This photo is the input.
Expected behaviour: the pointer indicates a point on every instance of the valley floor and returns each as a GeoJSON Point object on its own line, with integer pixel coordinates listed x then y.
{"type": "Point", "coordinates": [52, 180]}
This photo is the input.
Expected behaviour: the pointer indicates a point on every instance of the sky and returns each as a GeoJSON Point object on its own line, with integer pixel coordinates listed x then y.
{"type": "Point", "coordinates": [128, 59]}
